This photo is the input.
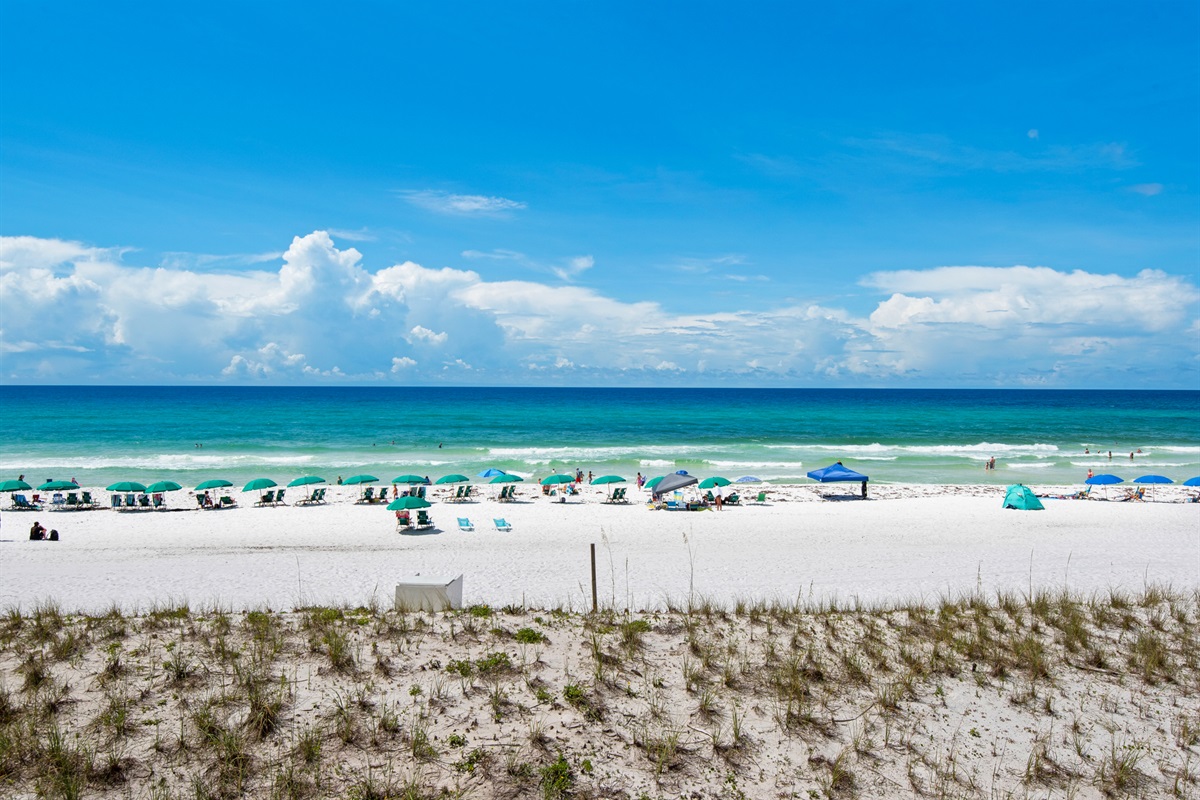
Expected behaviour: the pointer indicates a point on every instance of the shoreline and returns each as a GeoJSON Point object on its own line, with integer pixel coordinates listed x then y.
{"type": "Point", "coordinates": [909, 542]}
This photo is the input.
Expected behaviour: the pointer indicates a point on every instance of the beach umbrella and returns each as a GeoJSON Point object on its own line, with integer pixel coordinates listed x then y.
{"type": "Point", "coordinates": [1192, 481]}
{"type": "Point", "coordinates": [603, 479]}
{"type": "Point", "coordinates": [307, 480]}
{"type": "Point", "coordinates": [354, 480]}
{"type": "Point", "coordinates": [125, 486]}
{"type": "Point", "coordinates": [213, 483]}
{"type": "Point", "coordinates": [15, 486]}
{"type": "Point", "coordinates": [408, 503]}
{"type": "Point", "coordinates": [1105, 481]}
{"type": "Point", "coordinates": [650, 484]}
{"type": "Point", "coordinates": [162, 486]}
{"type": "Point", "coordinates": [551, 480]}
{"type": "Point", "coordinates": [57, 486]}
{"type": "Point", "coordinates": [1153, 479]}
{"type": "Point", "coordinates": [674, 481]}
{"type": "Point", "coordinates": [504, 477]}
{"type": "Point", "coordinates": [258, 484]}
{"type": "Point", "coordinates": [748, 479]}
{"type": "Point", "coordinates": [409, 479]}
{"type": "Point", "coordinates": [709, 483]}
{"type": "Point", "coordinates": [491, 472]}
{"type": "Point", "coordinates": [452, 479]}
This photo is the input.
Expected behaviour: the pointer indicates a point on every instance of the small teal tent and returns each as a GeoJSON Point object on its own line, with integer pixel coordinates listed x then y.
{"type": "Point", "coordinates": [1020, 496]}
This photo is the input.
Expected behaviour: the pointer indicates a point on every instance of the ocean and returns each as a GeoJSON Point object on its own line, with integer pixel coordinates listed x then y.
{"type": "Point", "coordinates": [98, 435]}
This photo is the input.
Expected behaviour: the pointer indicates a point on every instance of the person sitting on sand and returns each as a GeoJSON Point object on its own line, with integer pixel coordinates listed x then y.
{"type": "Point", "coordinates": [37, 532]}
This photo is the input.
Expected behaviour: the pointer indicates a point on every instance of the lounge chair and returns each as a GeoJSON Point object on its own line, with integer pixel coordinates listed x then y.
{"type": "Point", "coordinates": [267, 499]}
{"type": "Point", "coordinates": [72, 499]}
{"type": "Point", "coordinates": [423, 519]}
{"type": "Point", "coordinates": [116, 500]}
{"type": "Point", "coordinates": [227, 501]}
{"type": "Point", "coordinates": [199, 500]}
{"type": "Point", "coordinates": [464, 524]}
{"type": "Point", "coordinates": [458, 495]}
{"type": "Point", "coordinates": [368, 495]}
{"type": "Point", "coordinates": [733, 500]}
{"type": "Point", "coordinates": [130, 501]}
{"type": "Point", "coordinates": [619, 495]}
{"type": "Point", "coordinates": [761, 499]}
{"type": "Point", "coordinates": [20, 503]}
{"type": "Point", "coordinates": [1139, 494]}
{"type": "Point", "coordinates": [467, 493]}
{"type": "Point", "coordinates": [321, 495]}
{"type": "Point", "coordinates": [158, 500]}
{"type": "Point", "coordinates": [144, 500]}
{"type": "Point", "coordinates": [403, 520]}
{"type": "Point", "coordinates": [58, 499]}
{"type": "Point", "coordinates": [279, 498]}
{"type": "Point", "coordinates": [501, 524]}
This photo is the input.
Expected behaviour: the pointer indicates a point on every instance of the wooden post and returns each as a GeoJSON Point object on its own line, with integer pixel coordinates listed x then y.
{"type": "Point", "coordinates": [594, 607]}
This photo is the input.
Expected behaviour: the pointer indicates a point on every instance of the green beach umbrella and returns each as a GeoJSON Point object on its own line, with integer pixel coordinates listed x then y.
{"type": "Point", "coordinates": [125, 486]}
{"type": "Point", "coordinates": [709, 483]}
{"type": "Point", "coordinates": [354, 480]}
{"type": "Point", "coordinates": [608, 479]}
{"type": "Point", "coordinates": [214, 483]}
{"type": "Point", "coordinates": [307, 480]}
{"type": "Point", "coordinates": [258, 484]}
{"type": "Point", "coordinates": [163, 486]}
{"type": "Point", "coordinates": [452, 479]}
{"type": "Point", "coordinates": [506, 478]}
{"type": "Point", "coordinates": [550, 480]}
{"type": "Point", "coordinates": [408, 503]}
{"type": "Point", "coordinates": [650, 484]}
{"type": "Point", "coordinates": [54, 486]}
{"type": "Point", "coordinates": [15, 486]}
{"type": "Point", "coordinates": [409, 479]}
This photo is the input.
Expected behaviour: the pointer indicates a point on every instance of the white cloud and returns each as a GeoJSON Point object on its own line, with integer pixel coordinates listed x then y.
{"type": "Point", "coordinates": [73, 312]}
{"type": "Point", "coordinates": [1147, 189]}
{"type": "Point", "coordinates": [1033, 133]}
{"type": "Point", "coordinates": [422, 333]}
{"type": "Point", "coordinates": [461, 204]}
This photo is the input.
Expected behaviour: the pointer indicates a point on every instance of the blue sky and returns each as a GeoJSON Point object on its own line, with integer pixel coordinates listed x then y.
{"type": "Point", "coordinates": [874, 194]}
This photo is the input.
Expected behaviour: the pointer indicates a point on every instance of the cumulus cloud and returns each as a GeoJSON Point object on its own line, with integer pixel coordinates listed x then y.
{"type": "Point", "coordinates": [78, 313]}
{"type": "Point", "coordinates": [461, 204]}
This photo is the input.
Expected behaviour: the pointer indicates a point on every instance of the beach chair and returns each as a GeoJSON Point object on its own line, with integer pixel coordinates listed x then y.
{"type": "Point", "coordinates": [423, 519]}
{"type": "Point", "coordinates": [467, 493]}
{"type": "Point", "coordinates": [143, 501]}
{"type": "Point", "coordinates": [227, 501]}
{"type": "Point", "coordinates": [279, 498]}
{"type": "Point", "coordinates": [266, 499]}
{"type": "Point", "coordinates": [761, 499]}
{"type": "Point", "coordinates": [72, 499]}
{"type": "Point", "coordinates": [86, 500]}
{"type": "Point", "coordinates": [116, 500]}
{"type": "Point", "coordinates": [158, 500]}
{"type": "Point", "coordinates": [464, 524]}
{"type": "Point", "coordinates": [733, 500]}
{"type": "Point", "coordinates": [458, 495]}
{"type": "Point", "coordinates": [619, 495]}
{"type": "Point", "coordinates": [1139, 494]}
{"type": "Point", "coordinates": [368, 495]}
{"type": "Point", "coordinates": [200, 500]}
{"type": "Point", "coordinates": [20, 503]}
{"type": "Point", "coordinates": [403, 520]}
{"type": "Point", "coordinates": [58, 499]}
{"type": "Point", "coordinates": [501, 524]}
{"type": "Point", "coordinates": [321, 495]}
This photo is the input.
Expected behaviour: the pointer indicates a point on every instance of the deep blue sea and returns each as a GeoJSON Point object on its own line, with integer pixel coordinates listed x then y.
{"type": "Point", "coordinates": [101, 434]}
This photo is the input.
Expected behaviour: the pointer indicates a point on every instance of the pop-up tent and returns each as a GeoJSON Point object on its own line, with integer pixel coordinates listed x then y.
{"type": "Point", "coordinates": [838, 473]}
{"type": "Point", "coordinates": [1020, 496]}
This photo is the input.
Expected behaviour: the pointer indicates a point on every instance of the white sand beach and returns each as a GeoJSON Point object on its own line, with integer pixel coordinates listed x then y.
{"type": "Point", "coordinates": [908, 542]}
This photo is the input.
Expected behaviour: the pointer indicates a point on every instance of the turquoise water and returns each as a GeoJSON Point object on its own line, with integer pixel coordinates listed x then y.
{"type": "Point", "coordinates": [102, 434]}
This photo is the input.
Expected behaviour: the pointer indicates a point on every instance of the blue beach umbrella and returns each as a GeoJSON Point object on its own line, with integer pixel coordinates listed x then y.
{"type": "Point", "coordinates": [1153, 479]}
{"type": "Point", "coordinates": [748, 479]}
{"type": "Point", "coordinates": [1105, 481]}
{"type": "Point", "coordinates": [1192, 481]}
{"type": "Point", "coordinates": [491, 472]}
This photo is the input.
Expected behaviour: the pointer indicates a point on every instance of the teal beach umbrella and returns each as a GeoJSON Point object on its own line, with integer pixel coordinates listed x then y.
{"type": "Point", "coordinates": [307, 480]}
{"type": "Point", "coordinates": [650, 484]}
{"type": "Point", "coordinates": [163, 486]}
{"type": "Point", "coordinates": [506, 478]}
{"type": "Point", "coordinates": [15, 486]}
{"type": "Point", "coordinates": [411, 480]}
{"type": "Point", "coordinates": [56, 486]}
{"type": "Point", "coordinates": [452, 479]}
{"type": "Point", "coordinates": [125, 486]}
{"type": "Point", "coordinates": [550, 480]}
{"type": "Point", "coordinates": [354, 480]}
{"type": "Point", "coordinates": [603, 479]}
{"type": "Point", "coordinates": [213, 483]}
{"type": "Point", "coordinates": [258, 484]}
{"type": "Point", "coordinates": [709, 483]}
{"type": "Point", "coordinates": [408, 503]}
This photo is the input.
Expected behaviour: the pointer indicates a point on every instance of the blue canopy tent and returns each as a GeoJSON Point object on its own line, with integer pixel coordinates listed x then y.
{"type": "Point", "coordinates": [838, 472]}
